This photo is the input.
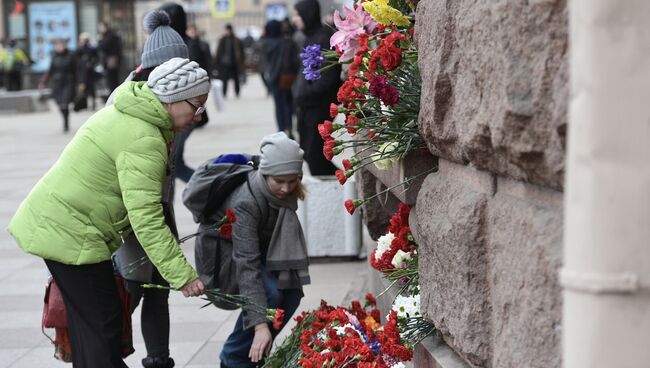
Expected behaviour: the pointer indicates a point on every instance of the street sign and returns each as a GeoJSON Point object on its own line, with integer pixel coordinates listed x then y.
{"type": "Point", "coordinates": [222, 8]}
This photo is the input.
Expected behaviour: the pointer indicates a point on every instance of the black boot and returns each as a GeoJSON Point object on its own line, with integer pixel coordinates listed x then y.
{"type": "Point", "coordinates": [66, 120]}
{"type": "Point", "coordinates": [158, 362]}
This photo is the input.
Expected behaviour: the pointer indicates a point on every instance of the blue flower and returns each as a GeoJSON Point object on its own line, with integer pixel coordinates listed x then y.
{"type": "Point", "coordinates": [312, 60]}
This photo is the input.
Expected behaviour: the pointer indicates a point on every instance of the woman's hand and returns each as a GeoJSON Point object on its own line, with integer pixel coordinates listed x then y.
{"type": "Point", "coordinates": [261, 343]}
{"type": "Point", "coordinates": [193, 288]}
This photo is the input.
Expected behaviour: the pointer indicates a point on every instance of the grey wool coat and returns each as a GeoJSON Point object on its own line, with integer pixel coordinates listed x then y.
{"type": "Point", "coordinates": [234, 265]}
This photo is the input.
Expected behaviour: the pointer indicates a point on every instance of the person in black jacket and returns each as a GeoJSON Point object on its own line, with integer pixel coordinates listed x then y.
{"type": "Point", "coordinates": [280, 57]}
{"type": "Point", "coordinates": [62, 76]}
{"type": "Point", "coordinates": [110, 49]}
{"type": "Point", "coordinates": [313, 98]}
{"type": "Point", "coordinates": [87, 59]}
{"type": "Point", "coordinates": [179, 24]}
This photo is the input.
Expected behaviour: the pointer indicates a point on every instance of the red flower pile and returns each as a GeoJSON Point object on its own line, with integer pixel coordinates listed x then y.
{"type": "Point", "coordinates": [337, 336]}
{"type": "Point", "coordinates": [399, 234]}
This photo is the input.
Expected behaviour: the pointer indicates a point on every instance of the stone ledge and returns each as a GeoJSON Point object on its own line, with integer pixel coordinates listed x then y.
{"type": "Point", "coordinates": [432, 352]}
{"type": "Point", "coordinates": [416, 162]}
{"type": "Point", "coordinates": [24, 101]}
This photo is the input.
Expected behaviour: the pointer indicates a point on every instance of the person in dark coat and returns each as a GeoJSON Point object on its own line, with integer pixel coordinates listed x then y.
{"type": "Point", "coordinates": [230, 59]}
{"type": "Point", "coordinates": [110, 49]}
{"type": "Point", "coordinates": [313, 98]}
{"type": "Point", "coordinates": [266, 260]}
{"type": "Point", "coordinates": [199, 50]}
{"type": "Point", "coordinates": [62, 77]}
{"type": "Point", "coordinates": [280, 57]}
{"type": "Point", "coordinates": [179, 24]}
{"type": "Point", "coordinates": [86, 58]}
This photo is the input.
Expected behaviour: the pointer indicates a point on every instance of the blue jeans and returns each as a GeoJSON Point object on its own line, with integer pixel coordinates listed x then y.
{"type": "Point", "coordinates": [283, 100]}
{"type": "Point", "coordinates": [236, 348]}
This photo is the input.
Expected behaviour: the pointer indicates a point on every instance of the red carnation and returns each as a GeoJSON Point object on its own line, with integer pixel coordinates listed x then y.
{"type": "Point", "coordinates": [352, 204]}
{"type": "Point", "coordinates": [328, 149]}
{"type": "Point", "coordinates": [230, 214]}
{"type": "Point", "coordinates": [278, 319]}
{"type": "Point", "coordinates": [225, 231]}
{"type": "Point", "coordinates": [347, 165]}
{"type": "Point", "coordinates": [334, 110]}
{"type": "Point", "coordinates": [371, 299]}
{"type": "Point", "coordinates": [325, 130]}
{"type": "Point", "coordinates": [340, 175]}
{"type": "Point", "coordinates": [351, 123]}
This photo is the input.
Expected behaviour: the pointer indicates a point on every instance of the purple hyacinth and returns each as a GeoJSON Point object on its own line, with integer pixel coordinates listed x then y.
{"type": "Point", "coordinates": [312, 60]}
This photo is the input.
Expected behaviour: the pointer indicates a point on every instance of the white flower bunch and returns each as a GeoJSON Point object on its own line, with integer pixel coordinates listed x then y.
{"type": "Point", "coordinates": [383, 244]}
{"type": "Point", "coordinates": [400, 258]}
{"type": "Point", "coordinates": [398, 365]}
{"type": "Point", "coordinates": [407, 306]}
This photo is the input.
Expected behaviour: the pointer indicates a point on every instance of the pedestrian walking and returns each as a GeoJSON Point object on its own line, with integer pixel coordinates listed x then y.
{"type": "Point", "coordinates": [87, 59]}
{"type": "Point", "coordinates": [266, 260]}
{"type": "Point", "coordinates": [198, 49]}
{"type": "Point", "coordinates": [281, 66]}
{"type": "Point", "coordinates": [313, 98]}
{"type": "Point", "coordinates": [61, 76]}
{"type": "Point", "coordinates": [162, 44]}
{"type": "Point", "coordinates": [106, 184]}
{"type": "Point", "coordinates": [110, 50]}
{"type": "Point", "coordinates": [13, 60]}
{"type": "Point", "coordinates": [230, 59]}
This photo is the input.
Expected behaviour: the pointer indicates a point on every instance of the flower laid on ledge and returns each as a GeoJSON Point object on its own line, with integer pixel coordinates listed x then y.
{"type": "Point", "coordinates": [342, 337]}
{"type": "Point", "coordinates": [396, 254]}
{"type": "Point", "coordinates": [275, 316]}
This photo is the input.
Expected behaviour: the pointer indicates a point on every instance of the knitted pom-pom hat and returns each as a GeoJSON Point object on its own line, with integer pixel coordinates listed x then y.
{"type": "Point", "coordinates": [177, 80]}
{"type": "Point", "coordinates": [163, 42]}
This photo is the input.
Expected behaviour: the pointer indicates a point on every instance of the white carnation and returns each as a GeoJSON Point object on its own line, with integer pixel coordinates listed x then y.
{"type": "Point", "coordinates": [400, 258]}
{"type": "Point", "coordinates": [407, 306]}
{"type": "Point", "coordinates": [383, 244]}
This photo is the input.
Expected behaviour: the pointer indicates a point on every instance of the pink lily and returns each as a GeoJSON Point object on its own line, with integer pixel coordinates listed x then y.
{"type": "Point", "coordinates": [355, 23]}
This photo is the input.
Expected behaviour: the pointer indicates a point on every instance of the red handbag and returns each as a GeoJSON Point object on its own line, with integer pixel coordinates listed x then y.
{"type": "Point", "coordinates": [55, 316]}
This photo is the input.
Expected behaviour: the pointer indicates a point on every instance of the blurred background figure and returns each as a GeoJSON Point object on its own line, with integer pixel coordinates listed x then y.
{"type": "Point", "coordinates": [198, 49]}
{"type": "Point", "coordinates": [179, 24]}
{"type": "Point", "coordinates": [230, 59]}
{"type": "Point", "coordinates": [61, 74]}
{"type": "Point", "coordinates": [110, 51]}
{"type": "Point", "coordinates": [313, 98]}
{"type": "Point", "coordinates": [86, 59]}
{"type": "Point", "coordinates": [280, 56]}
{"type": "Point", "coordinates": [13, 60]}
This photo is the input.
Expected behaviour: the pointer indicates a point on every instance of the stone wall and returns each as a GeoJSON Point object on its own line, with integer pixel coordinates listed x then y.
{"type": "Point", "coordinates": [489, 222]}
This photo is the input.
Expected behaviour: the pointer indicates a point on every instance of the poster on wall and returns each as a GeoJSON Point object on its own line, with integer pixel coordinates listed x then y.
{"type": "Point", "coordinates": [222, 8]}
{"type": "Point", "coordinates": [48, 22]}
{"type": "Point", "coordinates": [276, 11]}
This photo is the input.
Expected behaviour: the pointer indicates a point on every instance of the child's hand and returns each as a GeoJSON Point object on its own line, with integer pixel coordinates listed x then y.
{"type": "Point", "coordinates": [261, 343]}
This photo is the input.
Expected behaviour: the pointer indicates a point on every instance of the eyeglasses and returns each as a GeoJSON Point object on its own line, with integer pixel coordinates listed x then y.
{"type": "Point", "coordinates": [198, 109]}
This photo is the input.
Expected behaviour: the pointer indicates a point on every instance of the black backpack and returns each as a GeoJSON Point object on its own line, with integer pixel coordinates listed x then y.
{"type": "Point", "coordinates": [213, 181]}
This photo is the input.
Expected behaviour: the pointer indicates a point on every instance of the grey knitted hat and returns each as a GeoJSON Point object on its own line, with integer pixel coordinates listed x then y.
{"type": "Point", "coordinates": [280, 155]}
{"type": "Point", "coordinates": [163, 42]}
{"type": "Point", "coordinates": [177, 80]}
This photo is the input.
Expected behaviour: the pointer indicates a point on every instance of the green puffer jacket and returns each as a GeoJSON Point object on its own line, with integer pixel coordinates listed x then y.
{"type": "Point", "coordinates": [108, 180]}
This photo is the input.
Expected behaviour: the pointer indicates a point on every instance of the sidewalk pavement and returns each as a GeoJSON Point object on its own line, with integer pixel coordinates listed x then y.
{"type": "Point", "coordinates": [30, 144]}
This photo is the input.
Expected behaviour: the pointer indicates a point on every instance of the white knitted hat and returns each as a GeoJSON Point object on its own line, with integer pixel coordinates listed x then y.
{"type": "Point", "coordinates": [177, 80]}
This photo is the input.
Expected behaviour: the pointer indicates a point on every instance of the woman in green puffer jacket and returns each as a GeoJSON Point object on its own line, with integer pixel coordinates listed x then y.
{"type": "Point", "coordinates": [107, 183]}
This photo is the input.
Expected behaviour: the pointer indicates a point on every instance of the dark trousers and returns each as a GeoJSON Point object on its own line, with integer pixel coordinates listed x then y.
{"type": "Point", "coordinates": [94, 313]}
{"type": "Point", "coordinates": [181, 170]}
{"type": "Point", "coordinates": [14, 80]}
{"type": "Point", "coordinates": [112, 79]}
{"type": "Point", "coordinates": [310, 140]}
{"type": "Point", "coordinates": [226, 73]}
{"type": "Point", "coordinates": [236, 348]}
{"type": "Point", "coordinates": [154, 317]}
{"type": "Point", "coordinates": [283, 100]}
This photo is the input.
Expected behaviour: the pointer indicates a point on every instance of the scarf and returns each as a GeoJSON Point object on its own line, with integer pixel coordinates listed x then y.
{"type": "Point", "coordinates": [287, 252]}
